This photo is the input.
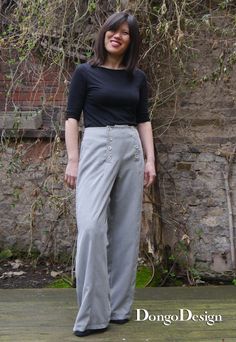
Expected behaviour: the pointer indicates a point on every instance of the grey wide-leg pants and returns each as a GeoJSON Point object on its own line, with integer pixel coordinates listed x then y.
{"type": "Point", "coordinates": [108, 208]}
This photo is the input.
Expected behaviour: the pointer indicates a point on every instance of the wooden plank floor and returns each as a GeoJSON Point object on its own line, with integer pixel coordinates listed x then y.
{"type": "Point", "coordinates": [47, 315]}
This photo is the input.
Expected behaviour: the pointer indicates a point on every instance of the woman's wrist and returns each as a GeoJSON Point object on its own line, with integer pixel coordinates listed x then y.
{"type": "Point", "coordinates": [73, 159]}
{"type": "Point", "coordinates": [150, 159]}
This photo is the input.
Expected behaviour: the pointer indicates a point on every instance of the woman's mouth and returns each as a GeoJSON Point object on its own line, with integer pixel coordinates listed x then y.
{"type": "Point", "coordinates": [115, 43]}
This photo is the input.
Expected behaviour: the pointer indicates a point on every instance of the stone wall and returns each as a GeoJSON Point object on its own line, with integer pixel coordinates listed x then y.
{"type": "Point", "coordinates": [37, 210]}
{"type": "Point", "coordinates": [194, 155]}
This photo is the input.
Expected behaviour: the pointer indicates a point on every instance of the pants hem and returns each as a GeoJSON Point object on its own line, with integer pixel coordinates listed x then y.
{"type": "Point", "coordinates": [120, 317]}
{"type": "Point", "coordinates": [91, 326]}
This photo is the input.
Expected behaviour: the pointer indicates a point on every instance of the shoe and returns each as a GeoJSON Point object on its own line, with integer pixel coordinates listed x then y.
{"type": "Point", "coordinates": [119, 321]}
{"type": "Point", "coordinates": [88, 332]}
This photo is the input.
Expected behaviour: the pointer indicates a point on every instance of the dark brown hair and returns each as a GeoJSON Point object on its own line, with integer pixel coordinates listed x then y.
{"type": "Point", "coordinates": [112, 23]}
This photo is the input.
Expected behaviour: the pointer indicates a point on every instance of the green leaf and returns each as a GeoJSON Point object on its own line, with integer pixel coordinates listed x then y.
{"type": "Point", "coordinates": [5, 254]}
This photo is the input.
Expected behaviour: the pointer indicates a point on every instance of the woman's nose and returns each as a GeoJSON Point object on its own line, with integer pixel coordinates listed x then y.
{"type": "Point", "coordinates": [117, 34]}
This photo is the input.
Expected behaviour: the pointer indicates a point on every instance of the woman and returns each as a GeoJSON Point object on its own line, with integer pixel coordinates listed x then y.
{"type": "Point", "coordinates": [112, 92]}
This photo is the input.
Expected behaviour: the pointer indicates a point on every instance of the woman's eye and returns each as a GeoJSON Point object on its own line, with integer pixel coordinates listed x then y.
{"type": "Point", "coordinates": [122, 32]}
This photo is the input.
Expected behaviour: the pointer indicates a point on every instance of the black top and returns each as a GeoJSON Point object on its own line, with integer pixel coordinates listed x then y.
{"type": "Point", "coordinates": [107, 96]}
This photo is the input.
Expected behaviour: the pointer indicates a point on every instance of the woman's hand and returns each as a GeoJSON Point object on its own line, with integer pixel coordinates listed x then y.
{"type": "Point", "coordinates": [72, 146]}
{"type": "Point", "coordinates": [71, 174]}
{"type": "Point", "coordinates": [149, 173]}
{"type": "Point", "coordinates": [146, 136]}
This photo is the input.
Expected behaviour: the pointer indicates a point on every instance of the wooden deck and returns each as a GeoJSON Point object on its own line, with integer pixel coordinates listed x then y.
{"type": "Point", "coordinates": [47, 315]}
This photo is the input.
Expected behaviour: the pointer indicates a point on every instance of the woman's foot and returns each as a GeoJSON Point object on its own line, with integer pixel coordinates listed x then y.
{"type": "Point", "coordinates": [88, 332]}
{"type": "Point", "coordinates": [119, 321]}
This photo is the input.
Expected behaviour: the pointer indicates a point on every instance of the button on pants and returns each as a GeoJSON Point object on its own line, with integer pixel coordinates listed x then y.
{"type": "Point", "coordinates": [109, 193]}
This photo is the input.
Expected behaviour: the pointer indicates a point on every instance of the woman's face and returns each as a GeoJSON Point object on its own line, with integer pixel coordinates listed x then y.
{"type": "Point", "coordinates": [116, 42]}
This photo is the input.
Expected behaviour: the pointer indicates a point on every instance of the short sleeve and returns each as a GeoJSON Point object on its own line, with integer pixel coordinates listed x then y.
{"type": "Point", "coordinates": [77, 94]}
{"type": "Point", "coordinates": [142, 108]}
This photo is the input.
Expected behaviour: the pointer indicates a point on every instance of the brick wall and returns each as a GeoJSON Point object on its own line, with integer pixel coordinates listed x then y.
{"type": "Point", "coordinates": [32, 84]}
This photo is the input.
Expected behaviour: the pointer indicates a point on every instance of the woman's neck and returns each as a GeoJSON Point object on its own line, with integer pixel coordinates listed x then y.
{"type": "Point", "coordinates": [113, 62]}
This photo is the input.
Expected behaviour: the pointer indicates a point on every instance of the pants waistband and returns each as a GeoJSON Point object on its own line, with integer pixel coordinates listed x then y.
{"type": "Point", "coordinates": [121, 126]}
{"type": "Point", "coordinates": [110, 127]}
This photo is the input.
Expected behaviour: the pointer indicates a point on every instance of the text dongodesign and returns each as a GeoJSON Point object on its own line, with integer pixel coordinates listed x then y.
{"type": "Point", "coordinates": [182, 315]}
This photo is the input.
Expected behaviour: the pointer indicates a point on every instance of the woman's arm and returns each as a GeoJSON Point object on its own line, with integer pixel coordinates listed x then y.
{"type": "Point", "coordinates": [146, 137]}
{"type": "Point", "coordinates": [72, 146]}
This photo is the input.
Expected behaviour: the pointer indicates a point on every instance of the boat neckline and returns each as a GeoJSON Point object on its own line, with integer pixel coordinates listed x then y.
{"type": "Point", "coordinates": [99, 66]}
